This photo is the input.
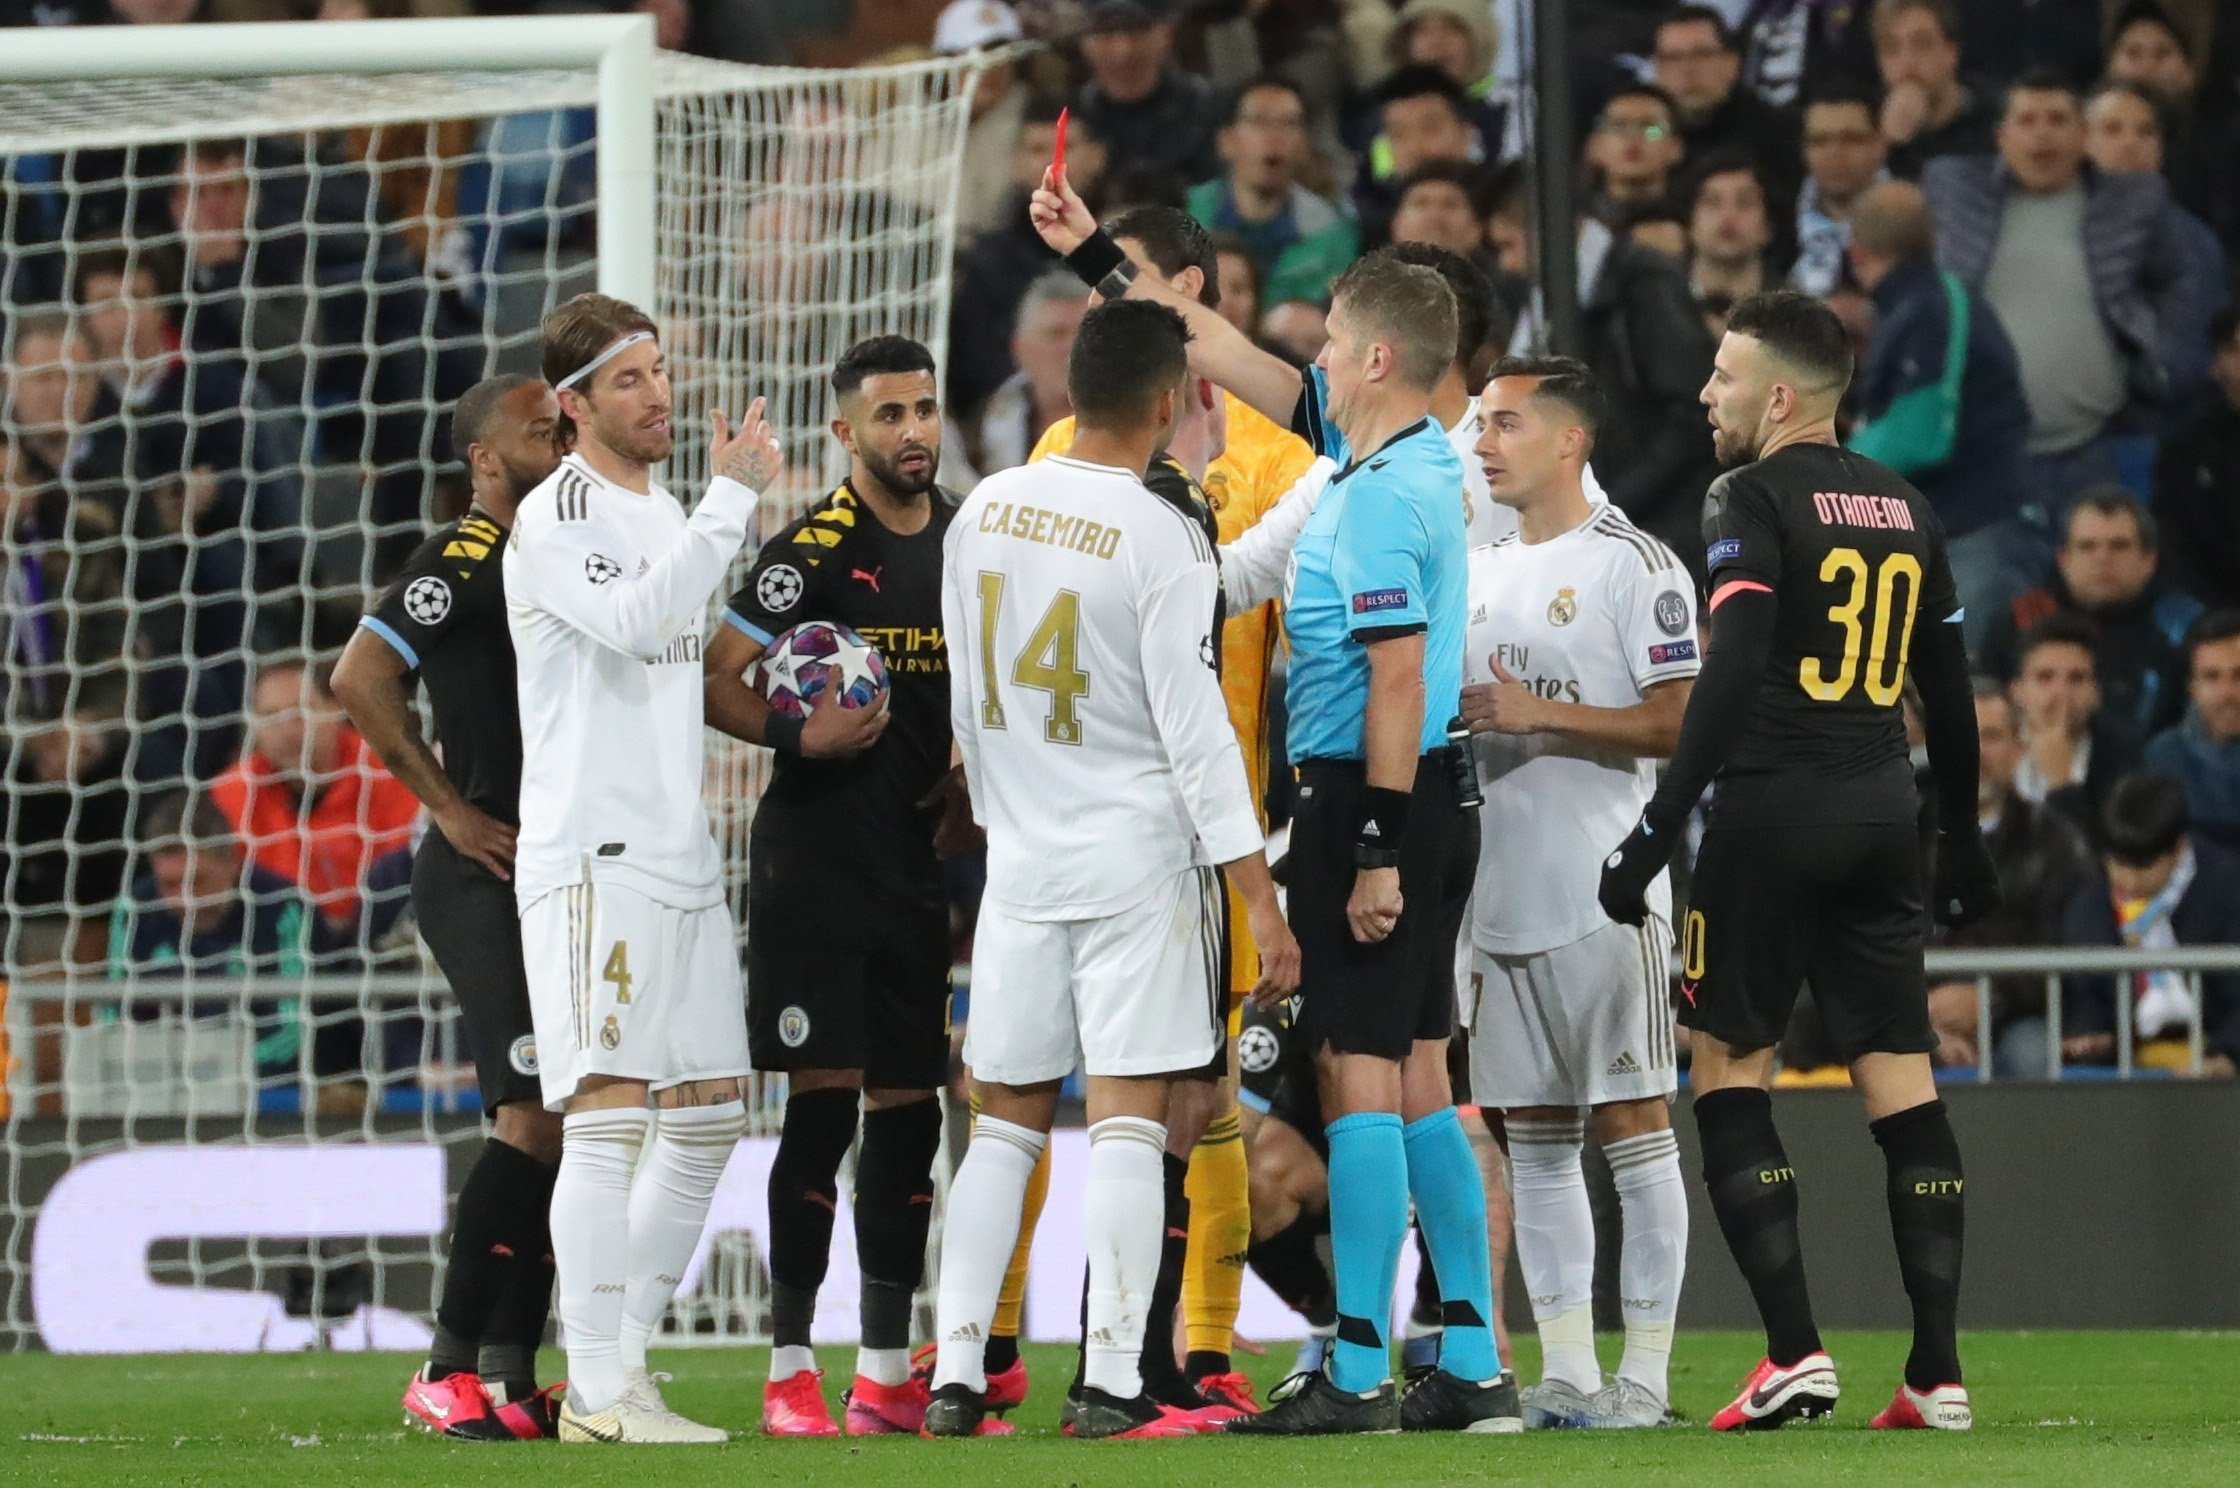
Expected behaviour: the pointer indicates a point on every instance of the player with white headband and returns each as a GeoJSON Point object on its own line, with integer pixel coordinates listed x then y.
{"type": "Point", "coordinates": [633, 972]}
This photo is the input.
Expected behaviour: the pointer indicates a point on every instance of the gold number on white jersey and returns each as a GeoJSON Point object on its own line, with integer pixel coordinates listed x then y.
{"type": "Point", "coordinates": [1049, 662]}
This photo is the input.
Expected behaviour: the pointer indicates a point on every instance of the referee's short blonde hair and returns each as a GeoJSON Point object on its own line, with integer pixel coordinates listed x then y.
{"type": "Point", "coordinates": [1405, 306]}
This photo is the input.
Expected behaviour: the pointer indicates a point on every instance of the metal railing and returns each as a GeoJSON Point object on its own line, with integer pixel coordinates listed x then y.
{"type": "Point", "coordinates": [2052, 963]}
{"type": "Point", "coordinates": [420, 992]}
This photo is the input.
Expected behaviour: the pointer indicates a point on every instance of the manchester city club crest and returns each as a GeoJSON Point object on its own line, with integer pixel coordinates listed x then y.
{"type": "Point", "coordinates": [1564, 608]}
{"type": "Point", "coordinates": [523, 1055]}
{"type": "Point", "coordinates": [793, 1028]}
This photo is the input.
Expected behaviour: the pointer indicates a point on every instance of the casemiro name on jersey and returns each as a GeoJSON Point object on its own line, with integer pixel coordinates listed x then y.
{"type": "Point", "coordinates": [1054, 529]}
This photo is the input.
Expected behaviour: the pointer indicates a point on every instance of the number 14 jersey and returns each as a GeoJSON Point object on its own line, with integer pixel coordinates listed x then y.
{"type": "Point", "coordinates": [1855, 561]}
{"type": "Point", "coordinates": [1079, 608]}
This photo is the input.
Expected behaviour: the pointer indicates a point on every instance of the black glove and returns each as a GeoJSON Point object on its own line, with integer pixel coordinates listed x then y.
{"type": "Point", "coordinates": [1628, 872]}
{"type": "Point", "coordinates": [1967, 883]}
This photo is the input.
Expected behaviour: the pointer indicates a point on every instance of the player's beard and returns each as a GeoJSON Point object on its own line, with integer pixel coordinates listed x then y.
{"type": "Point", "coordinates": [899, 482]}
{"type": "Point", "coordinates": [635, 442]}
{"type": "Point", "coordinates": [1733, 448]}
{"type": "Point", "coordinates": [519, 481]}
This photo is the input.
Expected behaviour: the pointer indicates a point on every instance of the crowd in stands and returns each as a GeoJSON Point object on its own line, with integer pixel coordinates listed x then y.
{"type": "Point", "coordinates": [2027, 211]}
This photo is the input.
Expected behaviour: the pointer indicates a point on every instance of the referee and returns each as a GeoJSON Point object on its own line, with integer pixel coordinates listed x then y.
{"type": "Point", "coordinates": [444, 619]}
{"type": "Point", "coordinates": [1382, 850]}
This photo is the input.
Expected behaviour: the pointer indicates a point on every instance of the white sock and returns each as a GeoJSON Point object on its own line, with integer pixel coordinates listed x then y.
{"type": "Point", "coordinates": [669, 1208]}
{"type": "Point", "coordinates": [591, 1246]}
{"type": "Point", "coordinates": [883, 1366]}
{"type": "Point", "coordinates": [1125, 1217]}
{"type": "Point", "coordinates": [1653, 1198]}
{"type": "Point", "coordinates": [788, 1360]}
{"type": "Point", "coordinates": [1555, 1246]}
{"type": "Point", "coordinates": [978, 1232]}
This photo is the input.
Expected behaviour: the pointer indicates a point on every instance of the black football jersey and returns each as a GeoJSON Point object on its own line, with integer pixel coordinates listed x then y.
{"type": "Point", "coordinates": [1856, 564]}
{"type": "Point", "coordinates": [840, 563]}
{"type": "Point", "coordinates": [446, 616]}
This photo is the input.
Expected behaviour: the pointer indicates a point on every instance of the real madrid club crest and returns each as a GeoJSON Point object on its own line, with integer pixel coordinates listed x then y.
{"type": "Point", "coordinates": [610, 1033]}
{"type": "Point", "coordinates": [1564, 608]}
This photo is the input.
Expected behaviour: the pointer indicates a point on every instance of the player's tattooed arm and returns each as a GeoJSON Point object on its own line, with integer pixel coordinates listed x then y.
{"type": "Point", "coordinates": [752, 456]}
{"type": "Point", "coordinates": [369, 683]}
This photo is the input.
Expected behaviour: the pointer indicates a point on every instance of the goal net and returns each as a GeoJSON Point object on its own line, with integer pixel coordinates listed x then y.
{"type": "Point", "coordinates": [238, 309]}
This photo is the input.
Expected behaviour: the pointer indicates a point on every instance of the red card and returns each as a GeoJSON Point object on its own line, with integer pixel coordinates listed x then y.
{"type": "Point", "coordinates": [1058, 159]}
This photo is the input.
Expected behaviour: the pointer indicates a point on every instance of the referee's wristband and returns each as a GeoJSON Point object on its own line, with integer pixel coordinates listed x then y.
{"type": "Point", "coordinates": [782, 732]}
{"type": "Point", "coordinates": [1384, 822]}
{"type": "Point", "coordinates": [1097, 259]}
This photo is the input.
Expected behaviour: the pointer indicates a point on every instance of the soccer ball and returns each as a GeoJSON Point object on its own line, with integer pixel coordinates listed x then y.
{"type": "Point", "coordinates": [818, 657]}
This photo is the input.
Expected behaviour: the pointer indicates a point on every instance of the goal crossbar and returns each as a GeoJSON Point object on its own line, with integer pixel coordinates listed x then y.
{"type": "Point", "coordinates": [619, 47]}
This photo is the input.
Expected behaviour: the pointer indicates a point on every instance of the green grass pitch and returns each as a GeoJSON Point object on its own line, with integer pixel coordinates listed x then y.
{"type": "Point", "coordinates": [2051, 1408]}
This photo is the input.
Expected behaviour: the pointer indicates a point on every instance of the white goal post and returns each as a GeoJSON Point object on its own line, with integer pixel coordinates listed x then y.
{"type": "Point", "coordinates": [309, 238]}
{"type": "Point", "coordinates": [618, 47]}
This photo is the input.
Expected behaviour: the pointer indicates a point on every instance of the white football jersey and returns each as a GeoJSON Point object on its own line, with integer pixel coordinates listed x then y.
{"type": "Point", "coordinates": [1488, 520]}
{"type": "Point", "coordinates": [1079, 609]}
{"type": "Point", "coordinates": [607, 596]}
{"type": "Point", "coordinates": [1595, 616]}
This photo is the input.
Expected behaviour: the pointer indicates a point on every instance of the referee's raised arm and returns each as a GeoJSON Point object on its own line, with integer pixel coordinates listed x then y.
{"type": "Point", "coordinates": [1218, 350]}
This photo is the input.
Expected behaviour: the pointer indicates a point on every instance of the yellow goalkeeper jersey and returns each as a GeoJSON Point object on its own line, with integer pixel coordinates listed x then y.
{"type": "Point", "coordinates": [1261, 462]}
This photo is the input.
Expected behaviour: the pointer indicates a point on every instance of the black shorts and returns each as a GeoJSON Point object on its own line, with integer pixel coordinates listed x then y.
{"type": "Point", "coordinates": [845, 971]}
{"type": "Point", "coordinates": [1838, 907]}
{"type": "Point", "coordinates": [469, 919]}
{"type": "Point", "coordinates": [1378, 999]}
{"type": "Point", "coordinates": [1276, 1074]}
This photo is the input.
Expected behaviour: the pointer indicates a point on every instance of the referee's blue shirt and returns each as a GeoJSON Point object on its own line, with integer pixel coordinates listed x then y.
{"type": "Point", "coordinates": [1384, 555]}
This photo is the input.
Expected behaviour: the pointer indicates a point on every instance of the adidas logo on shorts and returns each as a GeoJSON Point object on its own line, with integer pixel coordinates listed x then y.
{"type": "Point", "coordinates": [1622, 1065]}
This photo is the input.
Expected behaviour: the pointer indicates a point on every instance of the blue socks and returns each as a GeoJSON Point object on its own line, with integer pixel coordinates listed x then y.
{"type": "Point", "coordinates": [1451, 1212]}
{"type": "Point", "coordinates": [1370, 1165]}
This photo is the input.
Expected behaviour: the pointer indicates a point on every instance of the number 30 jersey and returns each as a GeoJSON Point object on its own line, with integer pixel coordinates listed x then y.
{"type": "Point", "coordinates": [1856, 563]}
{"type": "Point", "coordinates": [1079, 608]}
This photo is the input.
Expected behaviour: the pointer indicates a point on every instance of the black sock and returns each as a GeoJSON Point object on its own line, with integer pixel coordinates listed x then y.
{"type": "Point", "coordinates": [1162, 1380]}
{"type": "Point", "coordinates": [1199, 1364]}
{"type": "Point", "coordinates": [1081, 1350]}
{"type": "Point", "coordinates": [517, 1323]}
{"type": "Point", "coordinates": [1290, 1262]}
{"type": "Point", "coordinates": [1754, 1192]}
{"type": "Point", "coordinates": [502, 1218]}
{"type": "Point", "coordinates": [820, 1125]}
{"type": "Point", "coordinates": [1926, 1219]}
{"type": "Point", "coordinates": [510, 1371]}
{"type": "Point", "coordinates": [1428, 1309]}
{"type": "Point", "coordinates": [1001, 1353]}
{"type": "Point", "coordinates": [894, 1208]}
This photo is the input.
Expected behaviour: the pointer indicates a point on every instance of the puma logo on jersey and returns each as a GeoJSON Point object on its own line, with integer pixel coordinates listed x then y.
{"type": "Point", "coordinates": [871, 577]}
